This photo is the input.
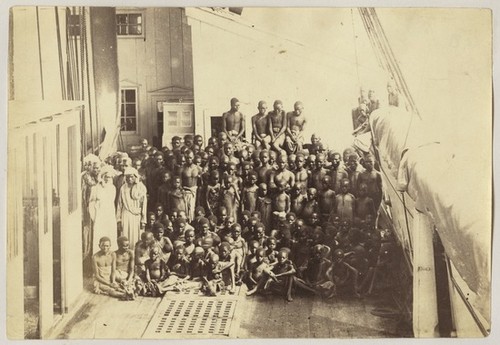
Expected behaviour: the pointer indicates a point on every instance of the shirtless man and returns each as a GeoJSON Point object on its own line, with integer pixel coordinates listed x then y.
{"type": "Point", "coordinates": [277, 125]}
{"type": "Point", "coordinates": [124, 261]}
{"type": "Point", "coordinates": [282, 174]}
{"type": "Point", "coordinates": [190, 174]}
{"type": "Point", "coordinates": [302, 175]}
{"type": "Point", "coordinates": [337, 172]}
{"type": "Point", "coordinates": [372, 179]}
{"type": "Point", "coordinates": [281, 276]}
{"type": "Point", "coordinates": [229, 152]}
{"type": "Point", "coordinates": [296, 118]}
{"type": "Point", "coordinates": [104, 265]}
{"type": "Point", "coordinates": [256, 272]}
{"type": "Point", "coordinates": [265, 169]}
{"type": "Point", "coordinates": [352, 172]}
{"type": "Point", "coordinates": [326, 198]}
{"type": "Point", "coordinates": [281, 202]}
{"type": "Point", "coordinates": [319, 172]}
{"type": "Point", "coordinates": [233, 122]}
{"type": "Point", "coordinates": [261, 137]}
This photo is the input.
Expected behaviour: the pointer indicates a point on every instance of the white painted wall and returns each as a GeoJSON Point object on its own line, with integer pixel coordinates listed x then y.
{"type": "Point", "coordinates": [234, 59]}
{"type": "Point", "coordinates": [444, 55]}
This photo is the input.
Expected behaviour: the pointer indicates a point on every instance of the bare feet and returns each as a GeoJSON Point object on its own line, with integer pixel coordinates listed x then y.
{"type": "Point", "coordinates": [251, 292]}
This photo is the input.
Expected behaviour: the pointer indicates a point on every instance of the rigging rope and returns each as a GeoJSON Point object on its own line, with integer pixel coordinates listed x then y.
{"type": "Point", "coordinates": [371, 38]}
{"type": "Point", "coordinates": [85, 48]}
{"type": "Point", "coordinates": [82, 95]}
{"type": "Point", "coordinates": [75, 46]}
{"type": "Point", "coordinates": [69, 59]}
{"type": "Point", "coordinates": [39, 51]}
{"type": "Point", "coordinates": [59, 53]}
{"type": "Point", "coordinates": [387, 60]}
{"type": "Point", "coordinates": [355, 48]}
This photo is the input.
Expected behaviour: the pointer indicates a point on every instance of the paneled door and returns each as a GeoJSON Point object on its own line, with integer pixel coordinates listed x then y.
{"type": "Point", "coordinates": [178, 119]}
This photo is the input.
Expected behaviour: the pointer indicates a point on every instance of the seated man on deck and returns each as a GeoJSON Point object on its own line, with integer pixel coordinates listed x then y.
{"type": "Point", "coordinates": [281, 276]}
{"type": "Point", "coordinates": [277, 125]}
{"type": "Point", "coordinates": [233, 122]}
{"type": "Point", "coordinates": [125, 261]}
{"type": "Point", "coordinates": [158, 276]}
{"type": "Point", "coordinates": [104, 264]}
{"type": "Point", "coordinates": [260, 132]}
{"type": "Point", "coordinates": [359, 116]}
{"type": "Point", "coordinates": [317, 273]}
{"type": "Point", "coordinates": [295, 127]}
{"type": "Point", "coordinates": [373, 102]}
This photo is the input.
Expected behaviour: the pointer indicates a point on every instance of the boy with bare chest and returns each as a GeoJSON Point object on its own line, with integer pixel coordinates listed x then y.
{"type": "Point", "coordinates": [177, 196]}
{"type": "Point", "coordinates": [373, 181]}
{"type": "Point", "coordinates": [319, 172]}
{"type": "Point", "coordinates": [364, 205]}
{"type": "Point", "coordinates": [256, 273]}
{"type": "Point", "coordinates": [104, 264]}
{"type": "Point", "coordinates": [249, 194]}
{"type": "Point", "coordinates": [326, 198]}
{"type": "Point", "coordinates": [264, 205]}
{"type": "Point", "coordinates": [124, 261]}
{"type": "Point", "coordinates": [281, 202]}
{"type": "Point", "coordinates": [311, 205]}
{"type": "Point", "coordinates": [265, 168]}
{"type": "Point", "coordinates": [298, 199]}
{"type": "Point", "coordinates": [302, 175]}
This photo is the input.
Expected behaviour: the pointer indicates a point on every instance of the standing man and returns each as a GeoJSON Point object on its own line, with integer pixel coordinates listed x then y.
{"type": "Point", "coordinates": [260, 130]}
{"type": "Point", "coordinates": [190, 174]}
{"type": "Point", "coordinates": [154, 177]}
{"type": "Point", "coordinates": [337, 172]}
{"type": "Point", "coordinates": [233, 122]}
{"type": "Point", "coordinates": [281, 175]}
{"type": "Point", "coordinates": [277, 125]}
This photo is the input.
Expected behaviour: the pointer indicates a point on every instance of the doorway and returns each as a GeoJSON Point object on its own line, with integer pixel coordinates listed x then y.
{"type": "Point", "coordinates": [43, 290]}
{"type": "Point", "coordinates": [157, 139]}
{"type": "Point", "coordinates": [56, 226]}
{"type": "Point", "coordinates": [30, 242]}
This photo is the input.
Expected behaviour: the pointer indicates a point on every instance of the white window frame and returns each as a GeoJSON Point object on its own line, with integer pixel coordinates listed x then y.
{"type": "Point", "coordinates": [125, 88]}
{"type": "Point", "coordinates": [143, 23]}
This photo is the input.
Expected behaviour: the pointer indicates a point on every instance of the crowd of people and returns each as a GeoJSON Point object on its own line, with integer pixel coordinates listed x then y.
{"type": "Point", "coordinates": [277, 213]}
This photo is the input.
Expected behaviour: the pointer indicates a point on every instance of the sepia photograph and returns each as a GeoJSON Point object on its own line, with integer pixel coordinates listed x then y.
{"type": "Point", "coordinates": [249, 172]}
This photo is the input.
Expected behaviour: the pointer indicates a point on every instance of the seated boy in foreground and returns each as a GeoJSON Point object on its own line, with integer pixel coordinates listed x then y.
{"type": "Point", "coordinates": [280, 278]}
{"type": "Point", "coordinates": [158, 278]}
{"type": "Point", "coordinates": [104, 265]}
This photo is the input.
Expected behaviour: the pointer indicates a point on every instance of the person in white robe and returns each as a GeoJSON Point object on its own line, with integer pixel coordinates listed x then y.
{"type": "Point", "coordinates": [102, 207]}
{"type": "Point", "coordinates": [131, 210]}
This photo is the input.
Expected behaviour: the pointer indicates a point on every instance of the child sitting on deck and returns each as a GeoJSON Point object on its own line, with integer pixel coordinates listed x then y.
{"type": "Point", "coordinates": [213, 277]}
{"type": "Point", "coordinates": [104, 263]}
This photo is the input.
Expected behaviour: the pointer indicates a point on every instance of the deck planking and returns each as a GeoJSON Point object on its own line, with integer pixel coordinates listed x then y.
{"type": "Point", "coordinates": [103, 317]}
{"type": "Point", "coordinates": [257, 316]}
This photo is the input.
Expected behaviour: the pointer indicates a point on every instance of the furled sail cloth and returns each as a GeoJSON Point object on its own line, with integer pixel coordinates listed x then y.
{"type": "Point", "coordinates": [105, 66]}
{"type": "Point", "coordinates": [447, 183]}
